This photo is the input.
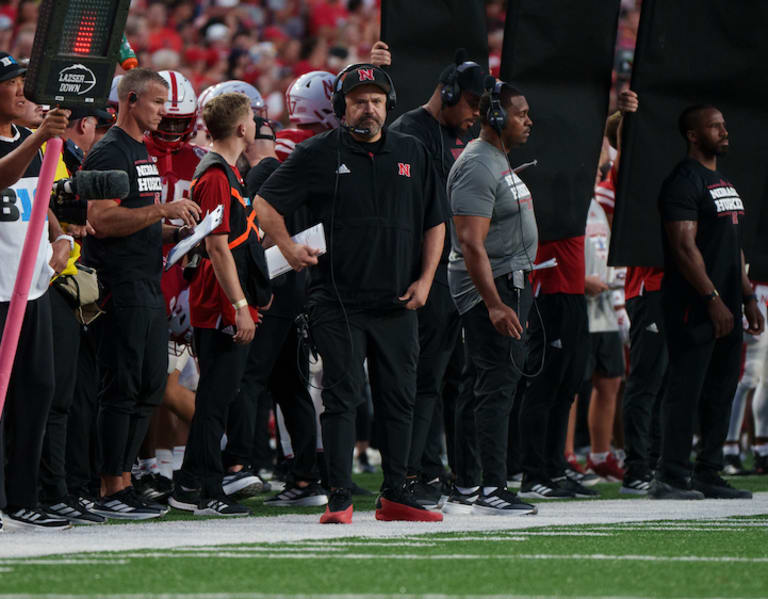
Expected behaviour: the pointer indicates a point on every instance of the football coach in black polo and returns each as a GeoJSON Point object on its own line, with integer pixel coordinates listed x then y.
{"type": "Point", "coordinates": [375, 192]}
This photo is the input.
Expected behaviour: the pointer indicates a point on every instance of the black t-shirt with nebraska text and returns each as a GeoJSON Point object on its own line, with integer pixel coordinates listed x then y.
{"type": "Point", "coordinates": [130, 266]}
{"type": "Point", "coordinates": [444, 146]}
{"type": "Point", "coordinates": [693, 192]}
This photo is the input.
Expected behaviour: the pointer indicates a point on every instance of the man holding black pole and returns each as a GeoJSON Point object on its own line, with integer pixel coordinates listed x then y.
{"type": "Point", "coordinates": [704, 288]}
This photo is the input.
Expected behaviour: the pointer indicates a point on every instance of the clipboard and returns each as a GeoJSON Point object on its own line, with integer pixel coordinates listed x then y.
{"type": "Point", "coordinates": [202, 230]}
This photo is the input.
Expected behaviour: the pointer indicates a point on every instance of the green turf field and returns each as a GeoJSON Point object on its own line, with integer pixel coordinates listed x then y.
{"type": "Point", "coordinates": [713, 558]}
{"type": "Point", "coordinates": [702, 557]}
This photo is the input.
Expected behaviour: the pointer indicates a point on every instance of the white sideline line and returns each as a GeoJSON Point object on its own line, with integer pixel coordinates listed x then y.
{"type": "Point", "coordinates": [314, 596]}
{"type": "Point", "coordinates": [288, 528]}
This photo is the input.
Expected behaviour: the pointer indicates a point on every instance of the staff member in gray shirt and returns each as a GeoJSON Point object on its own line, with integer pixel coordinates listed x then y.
{"type": "Point", "coordinates": [493, 246]}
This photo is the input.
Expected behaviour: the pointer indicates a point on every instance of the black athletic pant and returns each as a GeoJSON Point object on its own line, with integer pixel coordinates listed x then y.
{"type": "Point", "coordinates": [498, 361]}
{"type": "Point", "coordinates": [134, 354]}
{"type": "Point", "coordinates": [701, 381]}
{"type": "Point", "coordinates": [274, 361]}
{"type": "Point", "coordinates": [648, 359]}
{"type": "Point", "coordinates": [66, 346]}
{"type": "Point", "coordinates": [27, 401]}
{"type": "Point", "coordinates": [222, 364]}
{"type": "Point", "coordinates": [439, 327]}
{"type": "Point", "coordinates": [452, 389]}
{"type": "Point", "coordinates": [547, 399]}
{"type": "Point", "coordinates": [83, 453]}
{"type": "Point", "coordinates": [466, 454]}
{"type": "Point", "coordinates": [390, 342]}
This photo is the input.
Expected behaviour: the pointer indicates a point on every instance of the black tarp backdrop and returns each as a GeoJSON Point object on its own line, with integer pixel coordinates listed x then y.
{"type": "Point", "coordinates": [560, 53]}
{"type": "Point", "coordinates": [423, 36]}
{"type": "Point", "coordinates": [693, 52]}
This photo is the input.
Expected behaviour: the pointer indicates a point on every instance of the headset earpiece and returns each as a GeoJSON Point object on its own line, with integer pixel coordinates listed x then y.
{"type": "Point", "coordinates": [450, 93]}
{"type": "Point", "coordinates": [497, 115]}
{"type": "Point", "coordinates": [132, 98]}
{"type": "Point", "coordinates": [338, 101]}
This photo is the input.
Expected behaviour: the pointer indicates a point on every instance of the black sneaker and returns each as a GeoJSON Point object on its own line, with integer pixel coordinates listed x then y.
{"type": "Point", "coordinates": [502, 502]}
{"type": "Point", "coordinates": [221, 506]}
{"type": "Point", "coordinates": [424, 493]}
{"type": "Point", "coordinates": [339, 509]}
{"type": "Point", "coordinates": [154, 505]}
{"type": "Point", "coordinates": [72, 509]}
{"type": "Point", "coordinates": [661, 490]}
{"type": "Point", "coordinates": [633, 485]}
{"type": "Point", "coordinates": [586, 479]}
{"type": "Point", "coordinates": [578, 490]}
{"type": "Point", "coordinates": [311, 495]}
{"type": "Point", "coordinates": [543, 489]}
{"type": "Point", "coordinates": [714, 487]}
{"type": "Point", "coordinates": [460, 503]}
{"type": "Point", "coordinates": [244, 483]}
{"type": "Point", "coordinates": [184, 499]}
{"type": "Point", "coordinates": [34, 519]}
{"type": "Point", "coordinates": [363, 463]}
{"type": "Point", "coordinates": [125, 505]}
{"type": "Point", "coordinates": [153, 487]}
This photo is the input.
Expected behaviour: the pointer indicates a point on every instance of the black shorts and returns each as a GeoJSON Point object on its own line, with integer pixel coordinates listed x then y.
{"type": "Point", "coordinates": [605, 356]}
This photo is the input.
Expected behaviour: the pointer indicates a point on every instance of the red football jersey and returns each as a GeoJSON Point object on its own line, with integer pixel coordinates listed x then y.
{"type": "Point", "coordinates": [287, 140]}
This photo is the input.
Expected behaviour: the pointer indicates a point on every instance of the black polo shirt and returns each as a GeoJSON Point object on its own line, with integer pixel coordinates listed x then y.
{"type": "Point", "coordinates": [375, 222]}
{"type": "Point", "coordinates": [444, 145]}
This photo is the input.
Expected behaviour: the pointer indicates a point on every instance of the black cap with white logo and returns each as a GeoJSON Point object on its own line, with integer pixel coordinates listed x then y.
{"type": "Point", "coordinates": [9, 68]}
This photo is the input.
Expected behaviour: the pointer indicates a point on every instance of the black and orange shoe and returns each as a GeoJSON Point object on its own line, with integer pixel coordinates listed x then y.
{"type": "Point", "coordinates": [400, 505]}
{"type": "Point", "coordinates": [339, 509]}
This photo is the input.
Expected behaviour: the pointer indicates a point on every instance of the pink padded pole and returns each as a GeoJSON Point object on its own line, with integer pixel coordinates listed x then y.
{"type": "Point", "coordinates": [27, 264]}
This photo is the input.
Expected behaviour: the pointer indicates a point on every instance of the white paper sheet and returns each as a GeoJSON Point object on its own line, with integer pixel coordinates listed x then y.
{"type": "Point", "coordinates": [313, 237]}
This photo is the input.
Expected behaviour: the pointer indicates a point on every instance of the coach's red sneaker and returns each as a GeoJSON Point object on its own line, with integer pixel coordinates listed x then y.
{"type": "Point", "coordinates": [399, 505]}
{"type": "Point", "coordinates": [609, 469]}
{"type": "Point", "coordinates": [339, 509]}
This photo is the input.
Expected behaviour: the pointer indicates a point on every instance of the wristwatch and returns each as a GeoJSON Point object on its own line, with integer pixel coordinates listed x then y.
{"type": "Point", "coordinates": [711, 296]}
{"type": "Point", "coordinates": [749, 298]}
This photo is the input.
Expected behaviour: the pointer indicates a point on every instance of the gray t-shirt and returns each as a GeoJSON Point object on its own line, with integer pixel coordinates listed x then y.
{"type": "Point", "coordinates": [482, 184]}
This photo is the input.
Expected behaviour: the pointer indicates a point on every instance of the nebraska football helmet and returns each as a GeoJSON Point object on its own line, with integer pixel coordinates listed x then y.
{"type": "Point", "coordinates": [240, 87]}
{"type": "Point", "coordinates": [309, 100]}
{"type": "Point", "coordinates": [180, 117]}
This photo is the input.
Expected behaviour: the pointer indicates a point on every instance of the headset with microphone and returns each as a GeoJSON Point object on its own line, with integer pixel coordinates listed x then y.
{"type": "Point", "coordinates": [450, 93]}
{"type": "Point", "coordinates": [338, 99]}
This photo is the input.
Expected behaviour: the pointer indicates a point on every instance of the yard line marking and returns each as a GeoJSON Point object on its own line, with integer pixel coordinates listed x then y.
{"type": "Point", "coordinates": [304, 596]}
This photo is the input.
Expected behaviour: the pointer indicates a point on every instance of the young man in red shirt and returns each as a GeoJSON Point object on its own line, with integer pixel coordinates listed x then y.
{"type": "Point", "coordinates": [222, 303]}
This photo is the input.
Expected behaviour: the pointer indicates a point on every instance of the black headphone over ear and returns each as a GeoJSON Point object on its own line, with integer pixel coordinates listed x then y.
{"type": "Point", "coordinates": [132, 98]}
{"type": "Point", "coordinates": [450, 93]}
{"type": "Point", "coordinates": [496, 116]}
{"type": "Point", "coordinates": [337, 99]}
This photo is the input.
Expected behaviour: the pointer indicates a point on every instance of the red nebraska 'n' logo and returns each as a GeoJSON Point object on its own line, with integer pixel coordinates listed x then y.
{"type": "Point", "coordinates": [404, 170]}
{"type": "Point", "coordinates": [365, 74]}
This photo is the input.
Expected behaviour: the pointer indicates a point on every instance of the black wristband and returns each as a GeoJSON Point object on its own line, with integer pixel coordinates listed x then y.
{"type": "Point", "coordinates": [749, 298]}
{"type": "Point", "coordinates": [709, 297]}
{"type": "Point", "coordinates": [176, 232]}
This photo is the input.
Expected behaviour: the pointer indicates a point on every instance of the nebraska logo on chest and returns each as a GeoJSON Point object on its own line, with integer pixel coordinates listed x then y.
{"type": "Point", "coordinates": [727, 201]}
{"type": "Point", "coordinates": [403, 169]}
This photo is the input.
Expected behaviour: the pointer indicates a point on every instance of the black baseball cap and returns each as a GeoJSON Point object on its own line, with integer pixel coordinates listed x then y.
{"type": "Point", "coordinates": [365, 75]}
{"type": "Point", "coordinates": [99, 114]}
{"type": "Point", "coordinates": [9, 68]}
